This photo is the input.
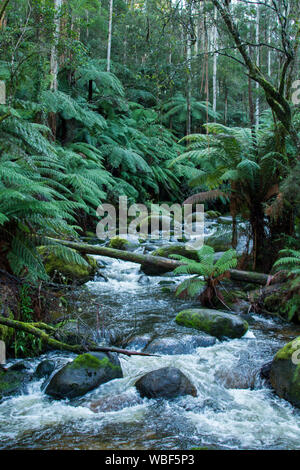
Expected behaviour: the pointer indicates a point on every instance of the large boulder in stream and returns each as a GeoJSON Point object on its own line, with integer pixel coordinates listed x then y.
{"type": "Point", "coordinates": [85, 373]}
{"type": "Point", "coordinates": [214, 322]}
{"type": "Point", "coordinates": [285, 372]}
{"type": "Point", "coordinates": [167, 382]}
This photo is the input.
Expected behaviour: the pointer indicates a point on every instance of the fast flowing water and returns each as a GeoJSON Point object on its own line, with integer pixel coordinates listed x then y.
{"type": "Point", "coordinates": [234, 409]}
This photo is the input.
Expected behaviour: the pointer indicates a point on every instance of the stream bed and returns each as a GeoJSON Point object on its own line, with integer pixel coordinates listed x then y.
{"type": "Point", "coordinates": [235, 408]}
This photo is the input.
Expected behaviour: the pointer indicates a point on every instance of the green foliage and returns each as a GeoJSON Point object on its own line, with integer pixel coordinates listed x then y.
{"type": "Point", "coordinates": [24, 344]}
{"type": "Point", "coordinates": [289, 262]}
{"type": "Point", "coordinates": [208, 273]}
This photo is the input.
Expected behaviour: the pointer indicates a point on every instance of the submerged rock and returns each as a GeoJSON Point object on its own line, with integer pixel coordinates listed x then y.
{"type": "Point", "coordinates": [143, 280]}
{"type": "Point", "coordinates": [285, 372]}
{"type": "Point", "coordinates": [181, 344]}
{"type": "Point", "coordinates": [138, 343]}
{"type": "Point", "coordinates": [167, 382]}
{"type": "Point", "coordinates": [13, 382]}
{"type": "Point", "coordinates": [116, 402]}
{"type": "Point", "coordinates": [85, 373]}
{"type": "Point", "coordinates": [214, 322]}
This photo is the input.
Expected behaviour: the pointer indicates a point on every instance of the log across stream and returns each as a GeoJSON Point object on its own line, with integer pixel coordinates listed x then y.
{"type": "Point", "coordinates": [162, 264]}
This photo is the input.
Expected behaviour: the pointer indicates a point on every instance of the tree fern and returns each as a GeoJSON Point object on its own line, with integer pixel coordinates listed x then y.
{"type": "Point", "coordinates": [208, 274]}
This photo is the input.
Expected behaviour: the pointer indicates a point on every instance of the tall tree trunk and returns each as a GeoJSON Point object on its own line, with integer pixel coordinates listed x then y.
{"type": "Point", "coordinates": [189, 71]}
{"type": "Point", "coordinates": [257, 64]}
{"type": "Point", "coordinates": [111, 4]}
{"type": "Point", "coordinates": [215, 60]}
{"type": "Point", "coordinates": [54, 61]}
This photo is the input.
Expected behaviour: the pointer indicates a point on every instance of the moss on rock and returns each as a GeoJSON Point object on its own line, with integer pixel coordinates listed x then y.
{"type": "Point", "coordinates": [213, 322]}
{"type": "Point", "coordinates": [85, 373]}
{"type": "Point", "coordinates": [68, 273]}
{"type": "Point", "coordinates": [118, 243]}
{"type": "Point", "coordinates": [285, 372]}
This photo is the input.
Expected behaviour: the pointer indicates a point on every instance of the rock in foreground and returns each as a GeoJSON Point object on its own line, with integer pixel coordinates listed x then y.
{"type": "Point", "coordinates": [285, 372]}
{"type": "Point", "coordinates": [213, 322]}
{"type": "Point", "coordinates": [167, 382]}
{"type": "Point", "coordinates": [13, 382]}
{"type": "Point", "coordinates": [85, 373]}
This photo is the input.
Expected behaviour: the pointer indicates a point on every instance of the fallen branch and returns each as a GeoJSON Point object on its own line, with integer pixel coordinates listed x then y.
{"type": "Point", "coordinates": [53, 343]}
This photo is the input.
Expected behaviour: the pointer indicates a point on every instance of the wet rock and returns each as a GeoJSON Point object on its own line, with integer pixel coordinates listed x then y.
{"type": "Point", "coordinates": [138, 343]}
{"type": "Point", "coordinates": [266, 370]}
{"type": "Point", "coordinates": [167, 382]}
{"type": "Point", "coordinates": [242, 376]}
{"type": "Point", "coordinates": [143, 280]}
{"type": "Point", "coordinates": [116, 402]}
{"type": "Point", "coordinates": [285, 372]}
{"type": "Point", "coordinates": [44, 369]}
{"type": "Point", "coordinates": [85, 373]}
{"type": "Point", "coordinates": [213, 322]}
{"type": "Point", "coordinates": [19, 366]}
{"type": "Point", "coordinates": [13, 382]}
{"type": "Point", "coordinates": [181, 344]}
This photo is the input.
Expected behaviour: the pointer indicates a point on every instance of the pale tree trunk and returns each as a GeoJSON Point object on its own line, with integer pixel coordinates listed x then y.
{"type": "Point", "coordinates": [54, 53]}
{"type": "Point", "coordinates": [189, 72]}
{"type": "Point", "coordinates": [111, 5]}
{"type": "Point", "coordinates": [257, 63]}
{"type": "Point", "coordinates": [215, 62]}
{"type": "Point", "coordinates": [269, 51]}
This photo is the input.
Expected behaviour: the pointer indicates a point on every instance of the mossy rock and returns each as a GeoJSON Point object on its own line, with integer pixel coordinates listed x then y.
{"type": "Point", "coordinates": [219, 242]}
{"type": "Point", "coordinates": [68, 273]}
{"type": "Point", "coordinates": [118, 243]}
{"type": "Point", "coordinates": [285, 372]}
{"type": "Point", "coordinates": [166, 251]}
{"type": "Point", "coordinates": [13, 382]}
{"type": "Point", "coordinates": [214, 322]}
{"type": "Point", "coordinates": [85, 373]}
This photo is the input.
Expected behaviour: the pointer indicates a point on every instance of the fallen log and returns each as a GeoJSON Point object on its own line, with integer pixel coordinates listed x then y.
{"type": "Point", "coordinates": [53, 343]}
{"type": "Point", "coordinates": [149, 262]}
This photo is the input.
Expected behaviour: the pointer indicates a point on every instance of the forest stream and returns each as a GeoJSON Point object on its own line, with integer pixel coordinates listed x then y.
{"type": "Point", "coordinates": [235, 408]}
